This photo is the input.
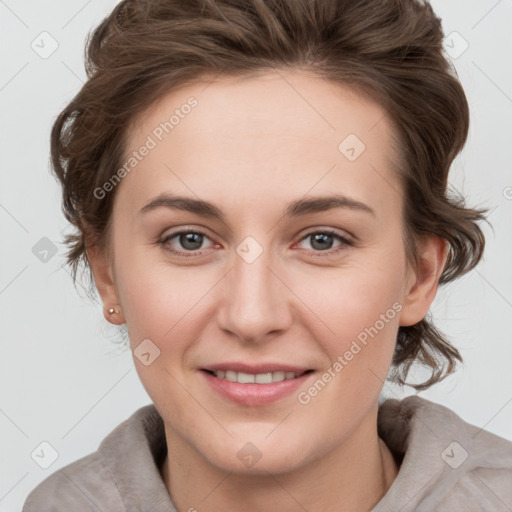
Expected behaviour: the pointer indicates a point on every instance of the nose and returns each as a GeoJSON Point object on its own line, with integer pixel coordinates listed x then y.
{"type": "Point", "coordinates": [256, 303]}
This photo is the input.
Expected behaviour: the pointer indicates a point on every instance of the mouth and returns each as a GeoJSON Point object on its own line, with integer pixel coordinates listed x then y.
{"type": "Point", "coordinates": [255, 385]}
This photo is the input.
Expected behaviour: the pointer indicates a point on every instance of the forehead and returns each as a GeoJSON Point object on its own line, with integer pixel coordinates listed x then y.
{"type": "Point", "coordinates": [286, 129]}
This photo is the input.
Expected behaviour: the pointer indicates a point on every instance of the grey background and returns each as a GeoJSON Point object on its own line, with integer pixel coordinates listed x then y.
{"type": "Point", "coordinates": [62, 379]}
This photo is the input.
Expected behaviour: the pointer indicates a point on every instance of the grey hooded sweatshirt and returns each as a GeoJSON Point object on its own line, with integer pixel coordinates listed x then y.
{"type": "Point", "coordinates": [447, 465]}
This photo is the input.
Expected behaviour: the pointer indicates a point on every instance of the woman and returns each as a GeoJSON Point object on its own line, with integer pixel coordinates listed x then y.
{"type": "Point", "coordinates": [260, 194]}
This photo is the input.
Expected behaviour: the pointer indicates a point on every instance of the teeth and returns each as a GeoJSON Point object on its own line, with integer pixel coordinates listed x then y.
{"type": "Point", "coordinates": [245, 378]}
{"type": "Point", "coordinates": [259, 378]}
{"type": "Point", "coordinates": [278, 376]}
{"type": "Point", "coordinates": [232, 376]}
{"type": "Point", "coordinates": [263, 378]}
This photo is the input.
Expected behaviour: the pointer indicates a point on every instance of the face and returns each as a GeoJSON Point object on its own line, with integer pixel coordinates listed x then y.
{"type": "Point", "coordinates": [275, 252]}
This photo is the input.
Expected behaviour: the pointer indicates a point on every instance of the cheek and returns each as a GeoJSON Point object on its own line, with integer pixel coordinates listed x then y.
{"type": "Point", "coordinates": [357, 302]}
{"type": "Point", "coordinates": [362, 315]}
{"type": "Point", "coordinates": [155, 297]}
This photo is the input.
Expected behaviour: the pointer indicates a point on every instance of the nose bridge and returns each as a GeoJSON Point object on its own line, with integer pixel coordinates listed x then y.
{"type": "Point", "coordinates": [255, 302]}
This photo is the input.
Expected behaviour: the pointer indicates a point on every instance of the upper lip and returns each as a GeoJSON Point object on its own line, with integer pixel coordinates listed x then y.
{"type": "Point", "coordinates": [255, 368]}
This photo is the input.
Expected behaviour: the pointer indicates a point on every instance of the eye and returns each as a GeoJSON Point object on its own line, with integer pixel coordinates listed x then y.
{"type": "Point", "coordinates": [323, 241]}
{"type": "Point", "coordinates": [187, 240]}
{"type": "Point", "coordinates": [190, 242]}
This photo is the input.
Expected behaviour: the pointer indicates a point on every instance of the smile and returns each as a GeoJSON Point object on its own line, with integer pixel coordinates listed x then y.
{"type": "Point", "coordinates": [258, 387]}
{"type": "Point", "coordinates": [258, 378]}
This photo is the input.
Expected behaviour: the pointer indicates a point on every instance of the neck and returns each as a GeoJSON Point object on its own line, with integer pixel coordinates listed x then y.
{"type": "Point", "coordinates": [353, 477]}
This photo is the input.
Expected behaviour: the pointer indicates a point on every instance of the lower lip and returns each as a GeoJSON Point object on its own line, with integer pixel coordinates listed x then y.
{"type": "Point", "coordinates": [254, 394]}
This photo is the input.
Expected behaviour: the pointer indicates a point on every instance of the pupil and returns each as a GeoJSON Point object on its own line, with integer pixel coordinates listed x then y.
{"type": "Point", "coordinates": [191, 241]}
{"type": "Point", "coordinates": [322, 241]}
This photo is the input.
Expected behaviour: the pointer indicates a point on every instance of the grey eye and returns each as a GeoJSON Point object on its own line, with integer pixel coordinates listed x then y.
{"type": "Point", "coordinates": [191, 241]}
{"type": "Point", "coordinates": [321, 241]}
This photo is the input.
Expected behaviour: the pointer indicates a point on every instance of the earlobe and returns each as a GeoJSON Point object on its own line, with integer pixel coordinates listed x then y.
{"type": "Point", "coordinates": [424, 282]}
{"type": "Point", "coordinates": [103, 277]}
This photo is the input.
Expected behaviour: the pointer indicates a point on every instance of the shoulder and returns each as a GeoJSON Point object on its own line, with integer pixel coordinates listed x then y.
{"type": "Point", "coordinates": [84, 485]}
{"type": "Point", "coordinates": [116, 477]}
{"type": "Point", "coordinates": [448, 463]}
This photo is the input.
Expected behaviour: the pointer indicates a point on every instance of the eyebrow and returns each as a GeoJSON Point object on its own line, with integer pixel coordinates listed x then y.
{"type": "Point", "coordinates": [294, 209]}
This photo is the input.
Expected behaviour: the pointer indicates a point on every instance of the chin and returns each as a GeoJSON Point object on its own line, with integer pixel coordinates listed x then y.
{"type": "Point", "coordinates": [274, 464]}
{"type": "Point", "coordinates": [257, 457]}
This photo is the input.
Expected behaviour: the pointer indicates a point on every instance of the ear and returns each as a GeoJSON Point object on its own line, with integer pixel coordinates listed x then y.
{"type": "Point", "coordinates": [423, 281]}
{"type": "Point", "coordinates": [103, 277]}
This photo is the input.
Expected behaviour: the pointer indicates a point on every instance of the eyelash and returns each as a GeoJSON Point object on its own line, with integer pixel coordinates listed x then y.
{"type": "Point", "coordinates": [345, 242]}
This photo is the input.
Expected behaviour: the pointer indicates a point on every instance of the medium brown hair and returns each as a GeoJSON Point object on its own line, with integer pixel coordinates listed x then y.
{"type": "Point", "coordinates": [391, 50]}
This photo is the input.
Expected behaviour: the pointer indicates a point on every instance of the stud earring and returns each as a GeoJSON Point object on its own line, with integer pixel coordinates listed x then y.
{"type": "Point", "coordinates": [112, 311]}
